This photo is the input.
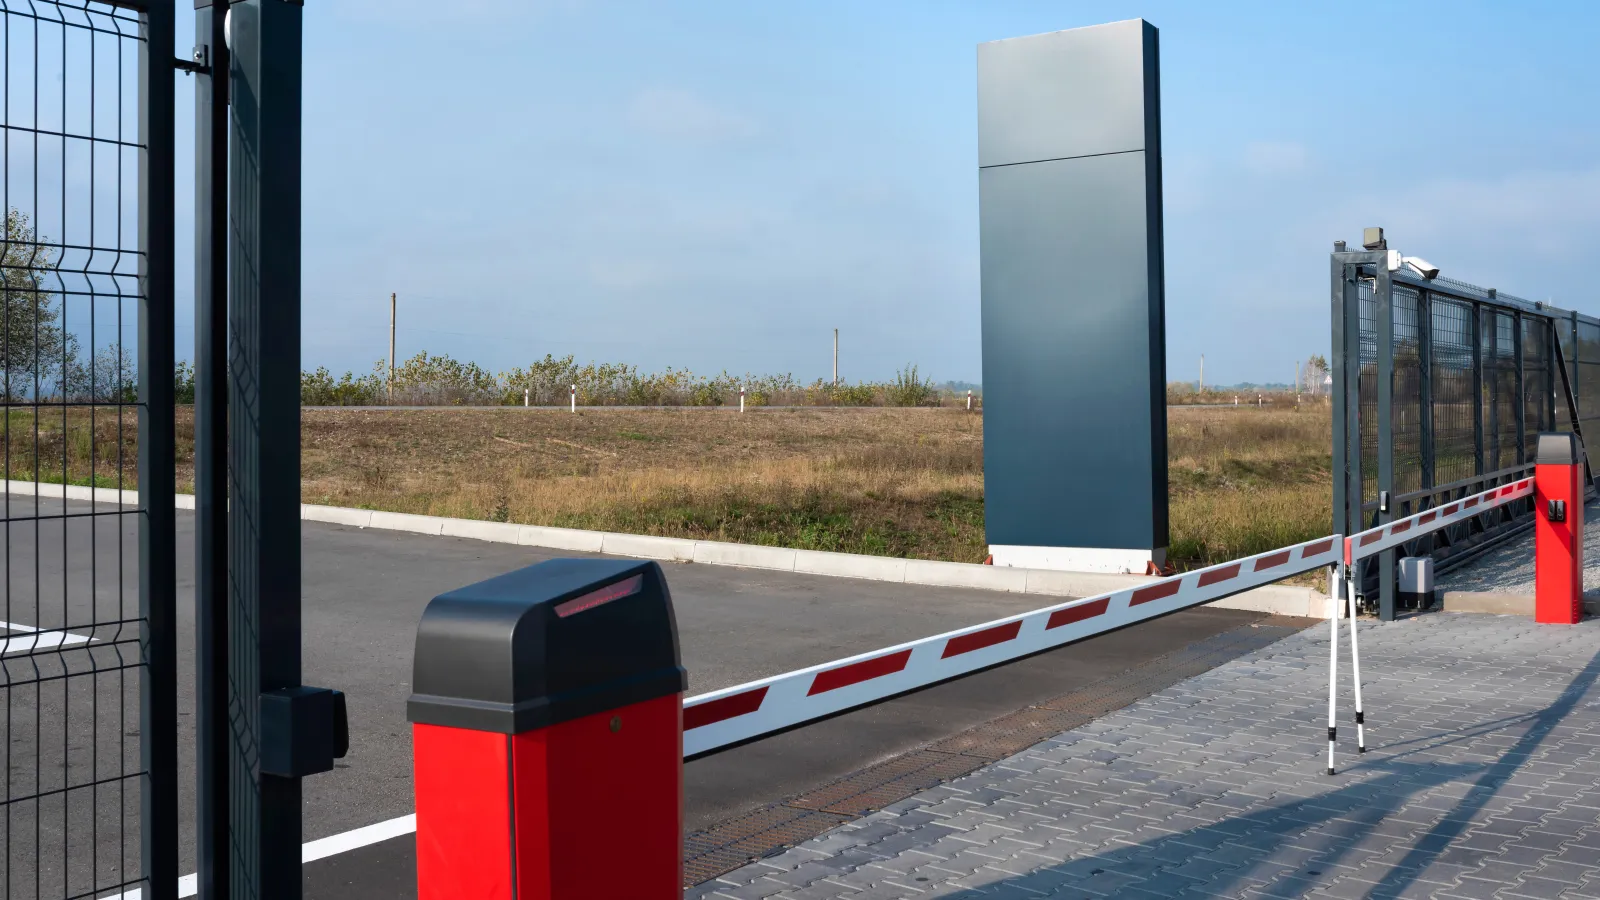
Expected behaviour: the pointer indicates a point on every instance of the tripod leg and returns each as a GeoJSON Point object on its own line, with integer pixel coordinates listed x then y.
{"type": "Point", "coordinates": [1355, 668]}
{"type": "Point", "coordinates": [1333, 675]}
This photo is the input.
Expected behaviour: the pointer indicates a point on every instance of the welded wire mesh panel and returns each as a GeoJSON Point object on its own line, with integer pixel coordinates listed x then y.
{"type": "Point", "coordinates": [1536, 371]}
{"type": "Point", "coordinates": [1453, 401]}
{"type": "Point", "coordinates": [1586, 359]}
{"type": "Point", "coordinates": [70, 657]}
{"type": "Point", "coordinates": [1566, 339]}
{"type": "Point", "coordinates": [1406, 407]}
{"type": "Point", "coordinates": [1502, 362]}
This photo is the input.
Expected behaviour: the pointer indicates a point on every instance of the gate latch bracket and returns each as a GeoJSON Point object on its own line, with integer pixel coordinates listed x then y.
{"type": "Point", "coordinates": [199, 65]}
{"type": "Point", "coordinates": [303, 730]}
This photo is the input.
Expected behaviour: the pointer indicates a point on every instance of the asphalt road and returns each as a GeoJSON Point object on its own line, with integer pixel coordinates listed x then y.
{"type": "Point", "coordinates": [364, 591]}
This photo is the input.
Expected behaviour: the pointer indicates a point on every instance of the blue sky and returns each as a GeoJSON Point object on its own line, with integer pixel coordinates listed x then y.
{"type": "Point", "coordinates": [719, 185]}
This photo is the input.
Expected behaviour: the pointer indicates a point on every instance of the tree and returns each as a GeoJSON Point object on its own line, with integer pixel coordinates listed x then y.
{"type": "Point", "coordinates": [34, 343]}
{"type": "Point", "coordinates": [1316, 370]}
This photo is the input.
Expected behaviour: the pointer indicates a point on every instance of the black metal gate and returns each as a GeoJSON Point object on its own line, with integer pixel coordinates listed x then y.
{"type": "Point", "coordinates": [1440, 391]}
{"type": "Point", "coordinates": [89, 655]}
{"type": "Point", "coordinates": [88, 672]}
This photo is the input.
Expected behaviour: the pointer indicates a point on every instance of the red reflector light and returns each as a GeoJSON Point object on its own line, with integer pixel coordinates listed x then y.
{"type": "Point", "coordinates": [625, 588]}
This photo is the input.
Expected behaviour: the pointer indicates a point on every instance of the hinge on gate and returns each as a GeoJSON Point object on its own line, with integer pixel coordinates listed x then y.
{"type": "Point", "coordinates": [199, 65]}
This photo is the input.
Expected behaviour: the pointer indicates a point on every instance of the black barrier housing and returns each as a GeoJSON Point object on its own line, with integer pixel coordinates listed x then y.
{"type": "Point", "coordinates": [546, 644]}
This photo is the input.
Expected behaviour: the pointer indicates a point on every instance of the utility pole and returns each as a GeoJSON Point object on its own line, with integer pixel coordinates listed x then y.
{"type": "Point", "coordinates": [391, 349]}
{"type": "Point", "coordinates": [1202, 388]}
{"type": "Point", "coordinates": [836, 356]}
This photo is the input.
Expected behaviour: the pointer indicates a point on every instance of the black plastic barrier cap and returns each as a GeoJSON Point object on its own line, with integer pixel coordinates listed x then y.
{"type": "Point", "coordinates": [1559, 448]}
{"type": "Point", "coordinates": [542, 645]}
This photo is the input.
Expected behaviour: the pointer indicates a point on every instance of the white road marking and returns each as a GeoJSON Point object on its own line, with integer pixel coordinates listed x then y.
{"type": "Point", "coordinates": [189, 885]}
{"type": "Point", "coordinates": [37, 638]}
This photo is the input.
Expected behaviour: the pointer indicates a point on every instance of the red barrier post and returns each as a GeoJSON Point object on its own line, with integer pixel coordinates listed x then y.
{"type": "Point", "coordinates": [1558, 530]}
{"type": "Point", "coordinates": [548, 735]}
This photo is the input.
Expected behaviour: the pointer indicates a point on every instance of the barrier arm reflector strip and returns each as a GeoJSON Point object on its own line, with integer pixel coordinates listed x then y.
{"type": "Point", "coordinates": [1375, 540]}
{"type": "Point", "coordinates": [737, 714]}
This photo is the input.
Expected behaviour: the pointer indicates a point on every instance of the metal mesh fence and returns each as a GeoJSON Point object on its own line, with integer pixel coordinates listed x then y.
{"type": "Point", "coordinates": [1537, 367]}
{"type": "Point", "coordinates": [1469, 377]}
{"type": "Point", "coordinates": [1501, 361]}
{"type": "Point", "coordinates": [70, 626]}
{"type": "Point", "coordinates": [1405, 410]}
{"type": "Point", "coordinates": [1586, 359]}
{"type": "Point", "coordinates": [1454, 431]}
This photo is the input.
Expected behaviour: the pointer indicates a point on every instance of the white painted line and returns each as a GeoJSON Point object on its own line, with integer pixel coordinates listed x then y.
{"type": "Point", "coordinates": [310, 851]}
{"type": "Point", "coordinates": [37, 638]}
{"type": "Point", "coordinates": [360, 837]}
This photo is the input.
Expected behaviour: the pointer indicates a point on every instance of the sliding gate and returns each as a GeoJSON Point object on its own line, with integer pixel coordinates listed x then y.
{"type": "Point", "coordinates": [1440, 389]}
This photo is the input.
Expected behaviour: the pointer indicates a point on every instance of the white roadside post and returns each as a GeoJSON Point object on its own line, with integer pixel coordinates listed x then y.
{"type": "Point", "coordinates": [574, 399]}
{"type": "Point", "coordinates": [741, 398]}
{"type": "Point", "coordinates": [524, 396]}
{"type": "Point", "coordinates": [969, 399]}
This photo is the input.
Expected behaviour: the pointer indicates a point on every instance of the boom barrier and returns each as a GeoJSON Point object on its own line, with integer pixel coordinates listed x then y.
{"type": "Point", "coordinates": [745, 712]}
{"type": "Point", "coordinates": [554, 692]}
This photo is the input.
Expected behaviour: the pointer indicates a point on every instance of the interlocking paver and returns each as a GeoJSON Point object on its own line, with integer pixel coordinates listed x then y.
{"type": "Point", "coordinates": [1482, 780]}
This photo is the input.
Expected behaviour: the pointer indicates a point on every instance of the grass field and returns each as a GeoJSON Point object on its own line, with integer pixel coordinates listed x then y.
{"type": "Point", "coordinates": [899, 482]}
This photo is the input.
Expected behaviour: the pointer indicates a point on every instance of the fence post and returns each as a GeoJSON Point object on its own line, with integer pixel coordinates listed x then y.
{"type": "Point", "coordinates": [1521, 391]}
{"type": "Point", "coordinates": [281, 730]}
{"type": "Point", "coordinates": [1496, 387]}
{"type": "Point", "coordinates": [548, 708]}
{"type": "Point", "coordinates": [1425, 393]}
{"type": "Point", "coordinates": [212, 729]}
{"type": "Point", "coordinates": [1477, 390]}
{"type": "Point", "coordinates": [158, 684]}
{"type": "Point", "coordinates": [1383, 310]}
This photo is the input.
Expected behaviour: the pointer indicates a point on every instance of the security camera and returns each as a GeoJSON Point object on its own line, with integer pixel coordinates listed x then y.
{"type": "Point", "coordinates": [1424, 268]}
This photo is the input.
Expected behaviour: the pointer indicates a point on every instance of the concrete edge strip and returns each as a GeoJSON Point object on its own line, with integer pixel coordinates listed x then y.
{"type": "Point", "coordinates": [1280, 599]}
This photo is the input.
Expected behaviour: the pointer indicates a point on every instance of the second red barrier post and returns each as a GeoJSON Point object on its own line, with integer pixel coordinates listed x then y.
{"type": "Point", "coordinates": [1558, 530]}
{"type": "Point", "coordinates": [548, 736]}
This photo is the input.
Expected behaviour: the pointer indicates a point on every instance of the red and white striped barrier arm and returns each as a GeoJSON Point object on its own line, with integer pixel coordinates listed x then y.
{"type": "Point", "coordinates": [736, 714]}
{"type": "Point", "coordinates": [1373, 540]}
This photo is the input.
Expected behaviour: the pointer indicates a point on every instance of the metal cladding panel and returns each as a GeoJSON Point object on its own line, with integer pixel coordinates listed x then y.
{"type": "Point", "coordinates": [1074, 367]}
{"type": "Point", "coordinates": [1063, 94]}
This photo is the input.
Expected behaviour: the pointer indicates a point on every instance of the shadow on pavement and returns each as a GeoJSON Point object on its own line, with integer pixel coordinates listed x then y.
{"type": "Point", "coordinates": [1231, 856]}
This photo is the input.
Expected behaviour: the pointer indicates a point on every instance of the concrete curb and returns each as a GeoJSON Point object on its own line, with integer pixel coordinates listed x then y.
{"type": "Point", "coordinates": [1494, 603]}
{"type": "Point", "coordinates": [1276, 599]}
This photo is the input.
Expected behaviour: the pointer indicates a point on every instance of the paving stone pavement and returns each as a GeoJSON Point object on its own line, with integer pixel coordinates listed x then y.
{"type": "Point", "coordinates": [1482, 780]}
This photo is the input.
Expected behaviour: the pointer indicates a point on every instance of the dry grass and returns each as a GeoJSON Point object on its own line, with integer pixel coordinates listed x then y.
{"type": "Point", "coordinates": [901, 482]}
{"type": "Point", "coordinates": [885, 481]}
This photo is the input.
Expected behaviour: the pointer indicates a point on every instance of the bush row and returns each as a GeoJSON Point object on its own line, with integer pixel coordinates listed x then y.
{"type": "Point", "coordinates": [429, 380]}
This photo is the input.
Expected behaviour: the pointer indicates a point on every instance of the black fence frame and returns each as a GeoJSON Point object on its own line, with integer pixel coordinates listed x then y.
{"type": "Point", "coordinates": [1438, 378]}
